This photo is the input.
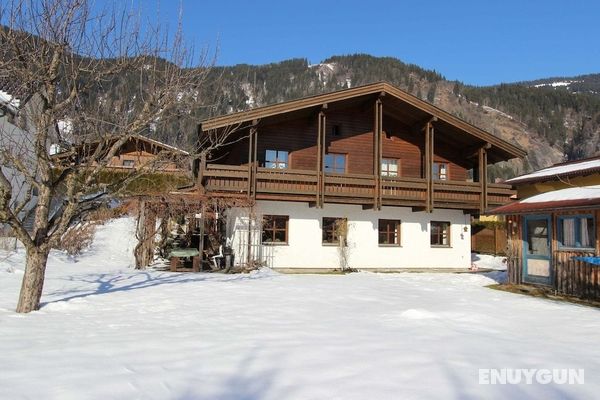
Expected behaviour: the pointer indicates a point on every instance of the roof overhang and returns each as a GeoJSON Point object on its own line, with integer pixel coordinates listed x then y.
{"type": "Point", "coordinates": [586, 197]}
{"type": "Point", "coordinates": [548, 206]}
{"type": "Point", "coordinates": [498, 149]}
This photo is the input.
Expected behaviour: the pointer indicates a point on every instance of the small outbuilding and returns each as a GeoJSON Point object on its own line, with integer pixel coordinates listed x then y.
{"type": "Point", "coordinates": [553, 230]}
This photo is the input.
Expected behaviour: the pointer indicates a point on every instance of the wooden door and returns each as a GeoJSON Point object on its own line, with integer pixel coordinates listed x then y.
{"type": "Point", "coordinates": [537, 252]}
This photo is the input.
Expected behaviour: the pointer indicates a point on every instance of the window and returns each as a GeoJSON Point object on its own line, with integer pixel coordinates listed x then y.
{"type": "Point", "coordinates": [440, 171]}
{"type": "Point", "coordinates": [576, 231]}
{"type": "Point", "coordinates": [275, 229]}
{"type": "Point", "coordinates": [335, 130]}
{"type": "Point", "coordinates": [276, 159]}
{"type": "Point", "coordinates": [389, 232]}
{"type": "Point", "coordinates": [128, 163]}
{"type": "Point", "coordinates": [389, 167]}
{"type": "Point", "coordinates": [440, 233]}
{"type": "Point", "coordinates": [335, 163]}
{"type": "Point", "coordinates": [333, 228]}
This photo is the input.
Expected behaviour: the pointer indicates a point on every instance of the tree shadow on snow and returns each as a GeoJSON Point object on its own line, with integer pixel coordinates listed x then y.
{"type": "Point", "coordinates": [246, 382]}
{"type": "Point", "coordinates": [107, 283]}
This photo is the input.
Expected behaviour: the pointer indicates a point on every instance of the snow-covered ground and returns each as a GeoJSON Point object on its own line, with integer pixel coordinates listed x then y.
{"type": "Point", "coordinates": [108, 332]}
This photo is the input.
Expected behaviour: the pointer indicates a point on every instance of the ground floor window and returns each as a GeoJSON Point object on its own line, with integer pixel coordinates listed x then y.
{"type": "Point", "coordinates": [275, 229]}
{"type": "Point", "coordinates": [440, 233]}
{"type": "Point", "coordinates": [389, 232]}
{"type": "Point", "coordinates": [333, 229]}
{"type": "Point", "coordinates": [576, 231]}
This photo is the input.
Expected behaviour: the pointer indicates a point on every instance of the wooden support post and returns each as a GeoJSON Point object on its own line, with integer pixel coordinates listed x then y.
{"type": "Point", "coordinates": [321, 147]}
{"type": "Point", "coordinates": [380, 114]}
{"type": "Point", "coordinates": [201, 233]}
{"type": "Point", "coordinates": [250, 159]}
{"type": "Point", "coordinates": [319, 161]}
{"type": "Point", "coordinates": [483, 180]}
{"type": "Point", "coordinates": [429, 154]}
{"type": "Point", "coordinates": [255, 165]}
{"type": "Point", "coordinates": [377, 153]}
{"type": "Point", "coordinates": [201, 169]}
{"type": "Point", "coordinates": [249, 244]}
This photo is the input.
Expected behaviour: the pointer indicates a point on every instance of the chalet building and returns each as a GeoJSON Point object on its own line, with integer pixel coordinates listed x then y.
{"type": "Point", "coordinates": [553, 230]}
{"type": "Point", "coordinates": [137, 152]}
{"type": "Point", "coordinates": [369, 177]}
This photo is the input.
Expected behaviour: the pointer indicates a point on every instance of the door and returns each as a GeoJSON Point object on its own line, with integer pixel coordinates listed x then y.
{"type": "Point", "coordinates": [537, 263]}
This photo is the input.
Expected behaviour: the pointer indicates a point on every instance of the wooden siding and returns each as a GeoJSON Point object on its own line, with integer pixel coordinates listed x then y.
{"type": "Point", "coordinates": [570, 276]}
{"type": "Point", "coordinates": [355, 139]}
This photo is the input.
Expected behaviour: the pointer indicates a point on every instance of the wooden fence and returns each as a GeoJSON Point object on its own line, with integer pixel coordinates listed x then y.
{"type": "Point", "coordinates": [488, 240]}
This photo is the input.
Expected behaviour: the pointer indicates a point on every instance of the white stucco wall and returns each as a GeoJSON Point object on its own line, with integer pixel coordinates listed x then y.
{"type": "Point", "coordinates": [305, 248]}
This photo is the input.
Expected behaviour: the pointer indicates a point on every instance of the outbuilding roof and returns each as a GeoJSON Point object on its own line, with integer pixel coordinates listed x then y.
{"type": "Point", "coordinates": [563, 199]}
{"type": "Point", "coordinates": [563, 170]}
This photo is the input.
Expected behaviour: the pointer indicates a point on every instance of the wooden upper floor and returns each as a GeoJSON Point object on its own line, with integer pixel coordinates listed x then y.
{"type": "Point", "coordinates": [373, 145]}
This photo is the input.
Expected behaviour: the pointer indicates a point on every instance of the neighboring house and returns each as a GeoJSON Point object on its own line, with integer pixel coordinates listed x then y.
{"type": "Point", "coordinates": [553, 230]}
{"type": "Point", "coordinates": [15, 139]}
{"type": "Point", "coordinates": [138, 151]}
{"type": "Point", "coordinates": [577, 173]}
{"type": "Point", "coordinates": [372, 168]}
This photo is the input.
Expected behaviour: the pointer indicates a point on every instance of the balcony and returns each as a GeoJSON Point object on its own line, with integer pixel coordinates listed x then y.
{"type": "Point", "coordinates": [303, 185]}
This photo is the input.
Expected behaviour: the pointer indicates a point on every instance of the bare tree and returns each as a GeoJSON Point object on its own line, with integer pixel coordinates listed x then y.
{"type": "Point", "coordinates": [66, 57]}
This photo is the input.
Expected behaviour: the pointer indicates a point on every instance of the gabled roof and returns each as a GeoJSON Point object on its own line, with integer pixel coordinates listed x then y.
{"type": "Point", "coordinates": [140, 138]}
{"type": "Point", "coordinates": [502, 149]}
{"type": "Point", "coordinates": [563, 199]}
{"type": "Point", "coordinates": [563, 170]}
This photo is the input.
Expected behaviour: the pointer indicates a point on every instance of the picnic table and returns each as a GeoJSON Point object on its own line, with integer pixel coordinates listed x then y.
{"type": "Point", "coordinates": [177, 255]}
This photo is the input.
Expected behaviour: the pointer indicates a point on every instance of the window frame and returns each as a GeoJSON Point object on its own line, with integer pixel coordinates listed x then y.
{"type": "Point", "coordinates": [396, 232]}
{"type": "Point", "coordinates": [277, 161]}
{"type": "Point", "coordinates": [334, 170]}
{"type": "Point", "coordinates": [272, 230]}
{"type": "Point", "coordinates": [577, 218]}
{"type": "Point", "coordinates": [387, 171]}
{"type": "Point", "coordinates": [128, 163]}
{"type": "Point", "coordinates": [437, 176]}
{"type": "Point", "coordinates": [329, 230]}
{"type": "Point", "coordinates": [440, 235]}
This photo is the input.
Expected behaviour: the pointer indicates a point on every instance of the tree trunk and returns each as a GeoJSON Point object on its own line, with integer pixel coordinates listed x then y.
{"type": "Point", "coordinates": [33, 280]}
{"type": "Point", "coordinates": [146, 231]}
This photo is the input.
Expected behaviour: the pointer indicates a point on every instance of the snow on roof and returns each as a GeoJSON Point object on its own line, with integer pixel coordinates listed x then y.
{"type": "Point", "coordinates": [9, 100]}
{"type": "Point", "coordinates": [161, 144]}
{"type": "Point", "coordinates": [571, 168]}
{"type": "Point", "coordinates": [574, 193]}
{"type": "Point", "coordinates": [563, 199]}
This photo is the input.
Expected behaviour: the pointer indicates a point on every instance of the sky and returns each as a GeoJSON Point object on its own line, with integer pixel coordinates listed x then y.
{"type": "Point", "coordinates": [478, 42]}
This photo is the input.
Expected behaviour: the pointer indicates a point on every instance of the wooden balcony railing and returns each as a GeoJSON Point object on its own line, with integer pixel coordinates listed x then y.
{"type": "Point", "coordinates": [302, 185]}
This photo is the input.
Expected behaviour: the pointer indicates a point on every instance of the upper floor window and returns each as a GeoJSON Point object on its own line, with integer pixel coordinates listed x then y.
{"type": "Point", "coordinates": [275, 229]}
{"type": "Point", "coordinates": [440, 171]}
{"type": "Point", "coordinates": [276, 159]}
{"type": "Point", "coordinates": [389, 232]}
{"type": "Point", "coordinates": [334, 229]}
{"type": "Point", "coordinates": [335, 163]}
{"type": "Point", "coordinates": [128, 163]}
{"type": "Point", "coordinates": [576, 231]}
{"type": "Point", "coordinates": [440, 233]}
{"type": "Point", "coordinates": [389, 167]}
